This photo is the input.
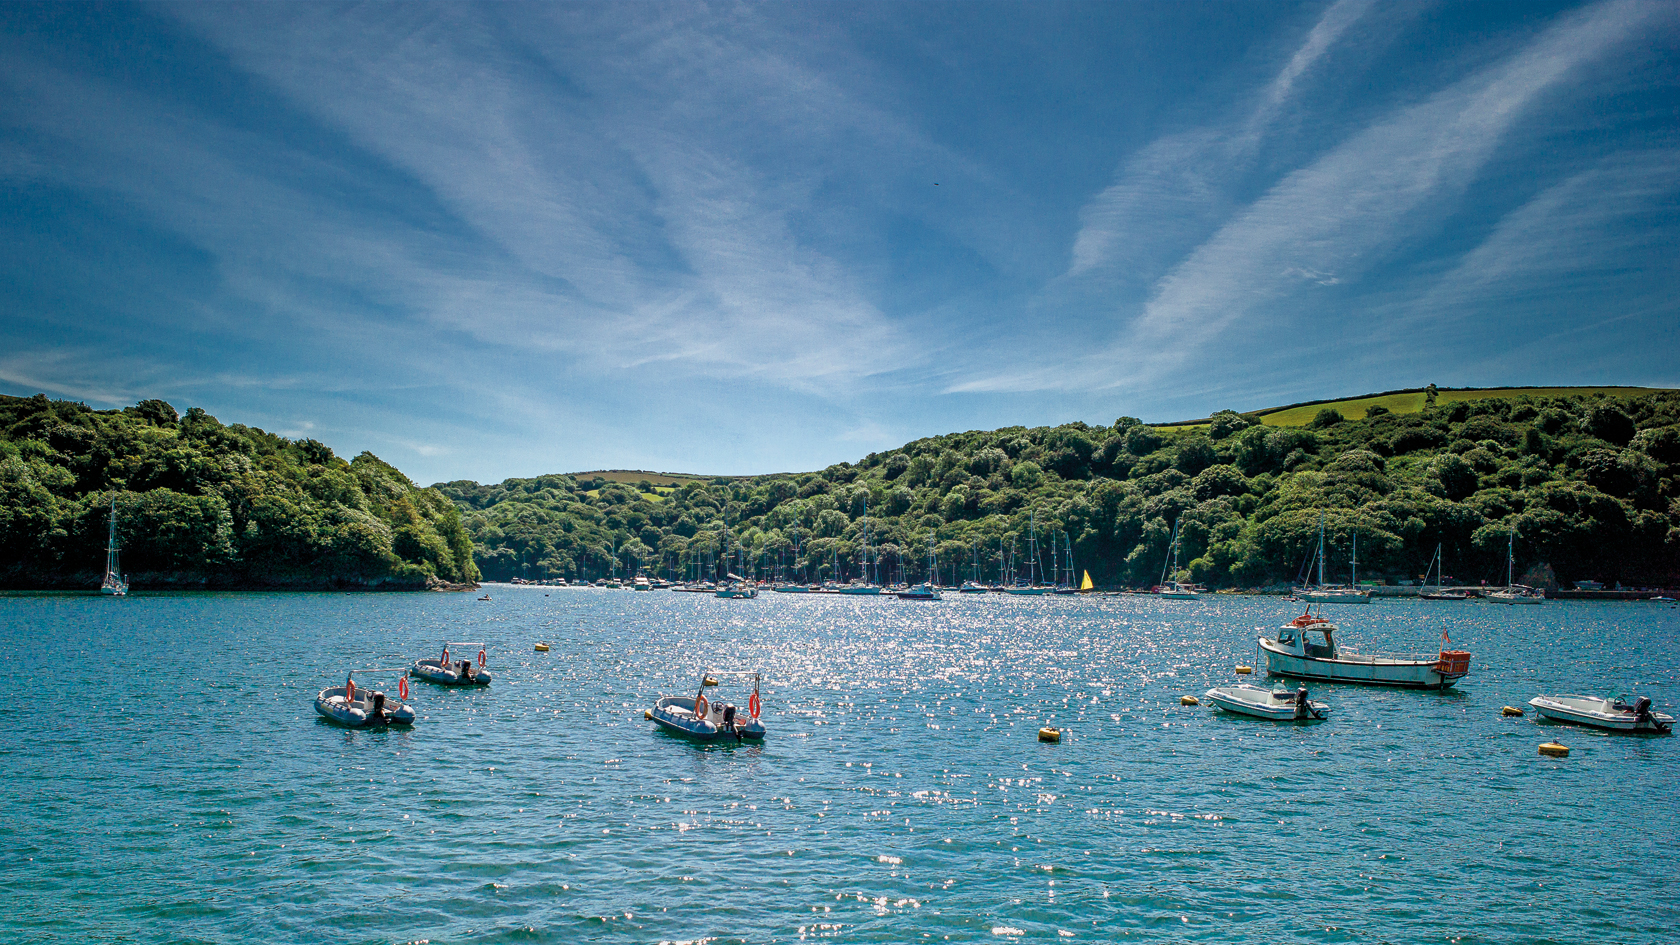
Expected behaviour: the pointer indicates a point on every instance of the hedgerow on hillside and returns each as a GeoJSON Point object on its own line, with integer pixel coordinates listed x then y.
{"type": "Point", "coordinates": [1589, 484]}
{"type": "Point", "coordinates": [203, 504]}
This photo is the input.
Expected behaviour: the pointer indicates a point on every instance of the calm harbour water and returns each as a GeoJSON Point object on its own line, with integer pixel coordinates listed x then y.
{"type": "Point", "coordinates": [169, 781]}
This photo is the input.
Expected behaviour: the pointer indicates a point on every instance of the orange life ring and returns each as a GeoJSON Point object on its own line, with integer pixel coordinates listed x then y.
{"type": "Point", "coordinates": [402, 687]}
{"type": "Point", "coordinates": [481, 657]}
{"type": "Point", "coordinates": [349, 691]}
{"type": "Point", "coordinates": [444, 659]}
{"type": "Point", "coordinates": [700, 707]}
{"type": "Point", "coordinates": [752, 704]}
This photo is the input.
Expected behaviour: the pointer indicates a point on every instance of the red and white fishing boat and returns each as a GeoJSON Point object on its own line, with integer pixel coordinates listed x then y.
{"type": "Point", "coordinates": [1306, 648]}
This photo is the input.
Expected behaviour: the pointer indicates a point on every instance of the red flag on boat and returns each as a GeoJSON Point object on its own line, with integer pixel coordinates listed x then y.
{"type": "Point", "coordinates": [1446, 640]}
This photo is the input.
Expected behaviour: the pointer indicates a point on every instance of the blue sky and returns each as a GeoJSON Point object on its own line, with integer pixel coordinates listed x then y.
{"type": "Point", "coordinates": [501, 240]}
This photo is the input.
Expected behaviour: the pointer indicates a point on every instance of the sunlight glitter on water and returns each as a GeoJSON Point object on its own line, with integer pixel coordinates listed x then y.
{"type": "Point", "coordinates": [546, 809]}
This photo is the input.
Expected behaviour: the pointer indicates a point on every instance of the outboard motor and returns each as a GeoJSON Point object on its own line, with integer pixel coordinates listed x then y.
{"type": "Point", "coordinates": [466, 669]}
{"type": "Point", "coordinates": [1642, 709]}
{"type": "Point", "coordinates": [729, 720]}
{"type": "Point", "coordinates": [378, 706]}
{"type": "Point", "coordinates": [1301, 696]}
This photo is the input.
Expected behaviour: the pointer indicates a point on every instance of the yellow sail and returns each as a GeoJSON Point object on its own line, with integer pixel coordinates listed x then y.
{"type": "Point", "coordinates": [1086, 584]}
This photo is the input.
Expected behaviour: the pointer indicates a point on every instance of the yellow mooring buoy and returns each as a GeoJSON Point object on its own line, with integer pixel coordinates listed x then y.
{"type": "Point", "coordinates": [542, 647]}
{"type": "Point", "coordinates": [1554, 750]}
{"type": "Point", "coordinates": [1189, 700]}
{"type": "Point", "coordinates": [1244, 670]}
{"type": "Point", "coordinates": [1048, 734]}
{"type": "Point", "coordinates": [1510, 711]}
{"type": "Point", "coordinates": [647, 714]}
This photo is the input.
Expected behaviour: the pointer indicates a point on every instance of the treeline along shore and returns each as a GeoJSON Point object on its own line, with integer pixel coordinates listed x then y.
{"type": "Point", "coordinates": [1589, 483]}
{"type": "Point", "coordinates": [200, 504]}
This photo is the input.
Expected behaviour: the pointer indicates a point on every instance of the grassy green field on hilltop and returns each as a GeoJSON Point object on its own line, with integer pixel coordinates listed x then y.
{"type": "Point", "coordinates": [1410, 401]}
{"type": "Point", "coordinates": [1355, 408]}
{"type": "Point", "coordinates": [631, 477]}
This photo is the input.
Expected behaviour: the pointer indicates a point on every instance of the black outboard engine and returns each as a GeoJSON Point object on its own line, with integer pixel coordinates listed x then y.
{"type": "Point", "coordinates": [1642, 709]}
{"type": "Point", "coordinates": [466, 669]}
{"type": "Point", "coordinates": [728, 714]}
{"type": "Point", "coordinates": [379, 706]}
{"type": "Point", "coordinates": [1301, 696]}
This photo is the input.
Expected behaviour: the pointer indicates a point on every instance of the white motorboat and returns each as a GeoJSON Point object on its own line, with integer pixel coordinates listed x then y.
{"type": "Point", "coordinates": [710, 719]}
{"type": "Point", "coordinates": [1306, 648]}
{"type": "Point", "coordinates": [737, 592]}
{"type": "Point", "coordinates": [1278, 705]}
{"type": "Point", "coordinates": [1172, 590]}
{"type": "Point", "coordinates": [452, 672]}
{"type": "Point", "coordinates": [1613, 714]}
{"type": "Point", "coordinates": [358, 707]}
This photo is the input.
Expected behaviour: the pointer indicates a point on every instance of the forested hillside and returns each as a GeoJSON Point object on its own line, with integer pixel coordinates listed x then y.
{"type": "Point", "coordinates": [1591, 484]}
{"type": "Point", "coordinates": [200, 504]}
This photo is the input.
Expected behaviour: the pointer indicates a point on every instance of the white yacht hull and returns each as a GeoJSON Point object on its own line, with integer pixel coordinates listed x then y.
{"type": "Point", "coordinates": [1334, 597]}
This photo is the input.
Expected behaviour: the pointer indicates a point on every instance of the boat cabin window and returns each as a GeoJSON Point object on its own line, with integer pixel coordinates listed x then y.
{"type": "Point", "coordinates": [1325, 650]}
{"type": "Point", "coordinates": [1286, 637]}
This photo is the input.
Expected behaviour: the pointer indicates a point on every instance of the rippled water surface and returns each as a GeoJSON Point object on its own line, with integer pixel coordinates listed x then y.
{"type": "Point", "coordinates": [169, 781]}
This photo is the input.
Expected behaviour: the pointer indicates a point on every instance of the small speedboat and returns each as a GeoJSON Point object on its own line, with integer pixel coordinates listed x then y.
{"type": "Point", "coordinates": [359, 707]}
{"type": "Point", "coordinates": [710, 719]}
{"type": "Point", "coordinates": [737, 592]}
{"type": "Point", "coordinates": [452, 672]}
{"type": "Point", "coordinates": [1279, 705]}
{"type": "Point", "coordinates": [1613, 714]}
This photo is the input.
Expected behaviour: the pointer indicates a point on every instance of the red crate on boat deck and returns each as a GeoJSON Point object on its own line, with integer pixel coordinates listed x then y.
{"type": "Point", "coordinates": [1453, 663]}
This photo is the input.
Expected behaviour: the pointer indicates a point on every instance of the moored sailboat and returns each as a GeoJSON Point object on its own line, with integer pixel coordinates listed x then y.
{"type": "Point", "coordinates": [1172, 589]}
{"type": "Point", "coordinates": [1322, 593]}
{"type": "Point", "coordinates": [114, 584]}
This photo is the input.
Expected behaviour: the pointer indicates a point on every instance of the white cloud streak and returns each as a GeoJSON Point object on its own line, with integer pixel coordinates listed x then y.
{"type": "Point", "coordinates": [1327, 222]}
{"type": "Point", "coordinates": [453, 101]}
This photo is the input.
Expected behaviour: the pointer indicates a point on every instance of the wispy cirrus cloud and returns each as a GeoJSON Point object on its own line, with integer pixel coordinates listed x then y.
{"type": "Point", "coordinates": [1172, 188]}
{"type": "Point", "coordinates": [689, 250]}
{"type": "Point", "coordinates": [1328, 222]}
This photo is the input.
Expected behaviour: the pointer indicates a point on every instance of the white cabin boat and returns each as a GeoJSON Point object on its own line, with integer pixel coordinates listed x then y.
{"type": "Point", "coordinates": [452, 672]}
{"type": "Point", "coordinates": [1278, 705]}
{"type": "Point", "coordinates": [1172, 590]}
{"type": "Point", "coordinates": [710, 719]}
{"type": "Point", "coordinates": [359, 707]}
{"type": "Point", "coordinates": [1615, 715]}
{"type": "Point", "coordinates": [1305, 648]}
